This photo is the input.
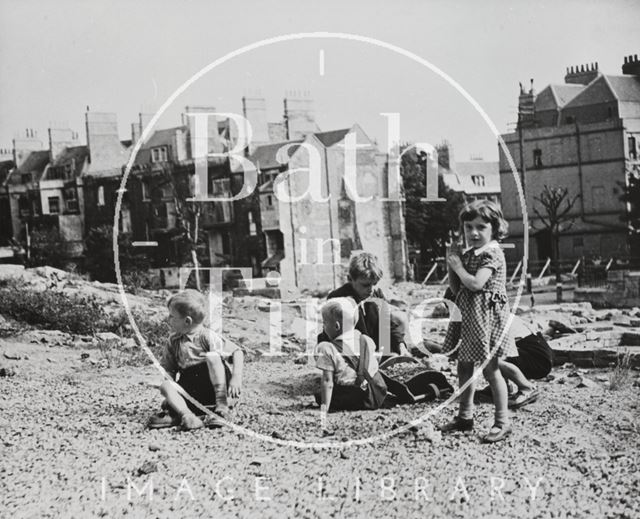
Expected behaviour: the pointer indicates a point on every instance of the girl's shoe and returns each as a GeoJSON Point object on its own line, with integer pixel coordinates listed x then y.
{"type": "Point", "coordinates": [457, 424]}
{"type": "Point", "coordinates": [497, 434]}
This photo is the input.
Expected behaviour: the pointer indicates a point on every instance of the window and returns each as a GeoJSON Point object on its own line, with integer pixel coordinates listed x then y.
{"type": "Point", "coordinates": [478, 180]}
{"type": "Point", "coordinates": [159, 154]}
{"type": "Point", "coordinates": [569, 119]}
{"type": "Point", "coordinates": [54, 205]}
{"type": "Point", "coordinates": [269, 201]}
{"type": "Point", "coordinates": [71, 199]}
{"type": "Point", "coordinates": [25, 178]}
{"type": "Point", "coordinates": [23, 205]}
{"type": "Point", "coordinates": [145, 191]}
{"type": "Point", "coordinates": [252, 225]}
{"type": "Point", "coordinates": [221, 188]}
{"type": "Point", "coordinates": [633, 150]}
{"type": "Point", "coordinates": [101, 196]}
{"type": "Point", "coordinates": [537, 158]}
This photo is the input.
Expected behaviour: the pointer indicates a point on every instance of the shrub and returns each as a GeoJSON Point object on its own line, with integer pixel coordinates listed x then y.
{"type": "Point", "coordinates": [47, 248]}
{"type": "Point", "coordinates": [620, 377]}
{"type": "Point", "coordinates": [52, 310]}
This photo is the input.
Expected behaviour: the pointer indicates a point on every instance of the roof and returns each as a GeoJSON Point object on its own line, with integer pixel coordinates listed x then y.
{"type": "Point", "coordinates": [565, 93]}
{"type": "Point", "coordinates": [76, 155]}
{"type": "Point", "coordinates": [330, 138]}
{"type": "Point", "coordinates": [35, 163]}
{"type": "Point", "coordinates": [556, 96]}
{"type": "Point", "coordinates": [461, 178]}
{"type": "Point", "coordinates": [597, 92]}
{"type": "Point", "coordinates": [164, 137]}
{"type": "Point", "coordinates": [625, 88]}
{"type": "Point", "coordinates": [264, 156]}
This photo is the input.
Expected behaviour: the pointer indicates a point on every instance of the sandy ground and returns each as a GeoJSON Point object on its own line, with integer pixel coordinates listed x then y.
{"type": "Point", "coordinates": [74, 444]}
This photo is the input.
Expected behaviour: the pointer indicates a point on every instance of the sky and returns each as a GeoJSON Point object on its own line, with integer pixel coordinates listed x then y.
{"type": "Point", "coordinates": [58, 58]}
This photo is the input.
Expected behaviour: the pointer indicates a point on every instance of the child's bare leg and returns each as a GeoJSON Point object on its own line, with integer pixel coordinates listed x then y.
{"type": "Point", "coordinates": [499, 391]}
{"type": "Point", "coordinates": [173, 398]}
{"type": "Point", "coordinates": [465, 373]}
{"type": "Point", "coordinates": [512, 372]}
{"type": "Point", "coordinates": [218, 377]}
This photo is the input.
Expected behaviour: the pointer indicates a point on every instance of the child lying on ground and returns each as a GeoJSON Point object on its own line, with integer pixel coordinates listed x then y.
{"type": "Point", "coordinates": [350, 380]}
{"type": "Point", "coordinates": [199, 356]}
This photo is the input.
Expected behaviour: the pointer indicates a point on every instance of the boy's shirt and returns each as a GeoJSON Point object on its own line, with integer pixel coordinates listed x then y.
{"type": "Point", "coordinates": [185, 350]}
{"type": "Point", "coordinates": [329, 357]}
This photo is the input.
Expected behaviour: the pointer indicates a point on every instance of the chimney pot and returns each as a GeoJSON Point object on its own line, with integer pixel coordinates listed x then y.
{"type": "Point", "coordinates": [635, 57]}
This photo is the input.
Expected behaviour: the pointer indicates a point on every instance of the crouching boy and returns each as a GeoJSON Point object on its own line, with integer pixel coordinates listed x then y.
{"type": "Point", "coordinates": [350, 377]}
{"type": "Point", "coordinates": [378, 320]}
{"type": "Point", "coordinates": [197, 357]}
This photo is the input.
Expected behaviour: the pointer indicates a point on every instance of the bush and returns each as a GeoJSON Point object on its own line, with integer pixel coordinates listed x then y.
{"type": "Point", "coordinates": [47, 248]}
{"type": "Point", "coordinates": [99, 258]}
{"type": "Point", "coordinates": [52, 310]}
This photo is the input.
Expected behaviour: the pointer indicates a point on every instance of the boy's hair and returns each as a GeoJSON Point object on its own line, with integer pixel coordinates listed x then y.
{"type": "Point", "coordinates": [487, 210]}
{"type": "Point", "coordinates": [189, 303]}
{"type": "Point", "coordinates": [341, 309]}
{"type": "Point", "coordinates": [365, 265]}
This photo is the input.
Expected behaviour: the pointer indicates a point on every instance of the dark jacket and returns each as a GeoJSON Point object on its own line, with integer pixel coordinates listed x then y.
{"type": "Point", "coordinates": [375, 319]}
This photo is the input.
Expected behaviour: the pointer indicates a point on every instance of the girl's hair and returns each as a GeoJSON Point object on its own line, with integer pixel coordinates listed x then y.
{"type": "Point", "coordinates": [487, 210]}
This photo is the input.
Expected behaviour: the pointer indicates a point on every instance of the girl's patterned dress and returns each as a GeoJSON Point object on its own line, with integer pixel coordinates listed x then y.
{"type": "Point", "coordinates": [482, 332]}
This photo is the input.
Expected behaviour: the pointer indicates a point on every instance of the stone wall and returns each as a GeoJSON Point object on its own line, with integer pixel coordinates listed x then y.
{"type": "Point", "coordinates": [622, 291]}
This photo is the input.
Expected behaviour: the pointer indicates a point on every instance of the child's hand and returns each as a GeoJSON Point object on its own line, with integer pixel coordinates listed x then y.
{"type": "Point", "coordinates": [235, 386]}
{"type": "Point", "coordinates": [454, 262]}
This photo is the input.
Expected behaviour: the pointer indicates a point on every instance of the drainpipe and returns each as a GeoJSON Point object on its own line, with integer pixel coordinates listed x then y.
{"type": "Point", "coordinates": [326, 170]}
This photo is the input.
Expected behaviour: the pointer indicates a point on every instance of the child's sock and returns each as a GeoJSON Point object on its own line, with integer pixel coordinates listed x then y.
{"type": "Point", "coordinates": [466, 410]}
{"type": "Point", "coordinates": [221, 396]}
{"type": "Point", "coordinates": [501, 418]}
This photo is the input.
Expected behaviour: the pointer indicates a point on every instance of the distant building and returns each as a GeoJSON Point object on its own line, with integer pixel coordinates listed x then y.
{"type": "Point", "coordinates": [311, 242]}
{"type": "Point", "coordinates": [582, 135]}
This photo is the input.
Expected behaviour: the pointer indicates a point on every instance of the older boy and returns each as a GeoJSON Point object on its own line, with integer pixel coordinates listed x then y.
{"type": "Point", "coordinates": [374, 317]}
{"type": "Point", "coordinates": [350, 377]}
{"type": "Point", "coordinates": [199, 356]}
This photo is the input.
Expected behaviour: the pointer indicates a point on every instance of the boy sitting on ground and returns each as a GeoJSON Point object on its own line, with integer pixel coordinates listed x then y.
{"type": "Point", "coordinates": [364, 274]}
{"type": "Point", "coordinates": [199, 356]}
{"type": "Point", "coordinates": [350, 381]}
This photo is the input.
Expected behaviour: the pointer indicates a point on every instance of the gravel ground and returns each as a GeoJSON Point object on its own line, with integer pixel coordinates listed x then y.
{"type": "Point", "coordinates": [75, 445]}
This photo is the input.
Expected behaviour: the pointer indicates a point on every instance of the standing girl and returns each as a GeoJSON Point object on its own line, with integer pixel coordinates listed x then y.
{"type": "Point", "coordinates": [478, 281]}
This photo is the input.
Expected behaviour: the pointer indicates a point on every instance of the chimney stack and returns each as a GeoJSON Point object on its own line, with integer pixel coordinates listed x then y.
{"type": "Point", "coordinates": [105, 149]}
{"type": "Point", "coordinates": [631, 65]}
{"type": "Point", "coordinates": [254, 110]}
{"type": "Point", "coordinates": [60, 137]}
{"type": "Point", "coordinates": [582, 74]}
{"type": "Point", "coordinates": [299, 115]}
{"type": "Point", "coordinates": [24, 144]}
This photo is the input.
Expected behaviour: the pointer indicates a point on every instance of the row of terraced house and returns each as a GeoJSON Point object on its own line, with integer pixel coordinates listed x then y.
{"type": "Point", "coordinates": [74, 187]}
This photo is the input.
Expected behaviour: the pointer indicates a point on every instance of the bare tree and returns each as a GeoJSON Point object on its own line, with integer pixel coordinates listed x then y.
{"type": "Point", "coordinates": [555, 219]}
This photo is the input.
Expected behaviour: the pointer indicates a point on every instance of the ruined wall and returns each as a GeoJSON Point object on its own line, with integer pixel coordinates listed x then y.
{"type": "Point", "coordinates": [321, 237]}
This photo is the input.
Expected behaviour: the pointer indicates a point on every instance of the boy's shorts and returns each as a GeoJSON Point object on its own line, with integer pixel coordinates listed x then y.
{"type": "Point", "coordinates": [197, 383]}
